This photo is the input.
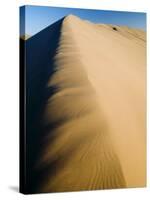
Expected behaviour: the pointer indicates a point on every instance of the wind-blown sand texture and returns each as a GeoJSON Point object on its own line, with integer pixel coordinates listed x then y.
{"type": "Point", "coordinates": [86, 107]}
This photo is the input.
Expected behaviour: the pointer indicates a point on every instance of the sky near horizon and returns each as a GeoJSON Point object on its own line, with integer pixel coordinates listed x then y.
{"type": "Point", "coordinates": [37, 18]}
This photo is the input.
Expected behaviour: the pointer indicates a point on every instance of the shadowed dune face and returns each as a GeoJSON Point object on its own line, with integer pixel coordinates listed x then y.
{"type": "Point", "coordinates": [77, 132]}
{"type": "Point", "coordinates": [40, 52]}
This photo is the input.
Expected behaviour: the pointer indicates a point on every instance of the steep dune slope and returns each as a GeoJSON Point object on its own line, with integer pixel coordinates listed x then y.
{"type": "Point", "coordinates": [115, 61]}
{"type": "Point", "coordinates": [88, 111]}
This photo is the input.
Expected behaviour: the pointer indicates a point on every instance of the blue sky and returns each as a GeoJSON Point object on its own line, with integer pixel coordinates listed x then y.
{"type": "Point", "coordinates": [38, 17]}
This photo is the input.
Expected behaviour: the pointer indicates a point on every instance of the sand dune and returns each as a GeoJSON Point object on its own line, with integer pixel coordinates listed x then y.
{"type": "Point", "coordinates": [25, 37]}
{"type": "Point", "coordinates": [91, 121]}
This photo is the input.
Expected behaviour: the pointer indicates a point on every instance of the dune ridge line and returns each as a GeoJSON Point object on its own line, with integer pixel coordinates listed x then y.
{"type": "Point", "coordinates": [80, 145]}
{"type": "Point", "coordinates": [91, 121]}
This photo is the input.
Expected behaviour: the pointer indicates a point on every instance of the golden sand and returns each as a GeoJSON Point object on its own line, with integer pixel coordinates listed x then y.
{"type": "Point", "coordinates": [99, 110]}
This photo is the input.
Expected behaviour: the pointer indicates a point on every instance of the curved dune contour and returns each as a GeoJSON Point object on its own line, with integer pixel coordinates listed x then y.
{"type": "Point", "coordinates": [92, 119]}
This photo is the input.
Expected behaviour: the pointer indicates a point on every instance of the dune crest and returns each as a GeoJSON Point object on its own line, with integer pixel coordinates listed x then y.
{"type": "Point", "coordinates": [93, 117]}
{"type": "Point", "coordinates": [80, 143]}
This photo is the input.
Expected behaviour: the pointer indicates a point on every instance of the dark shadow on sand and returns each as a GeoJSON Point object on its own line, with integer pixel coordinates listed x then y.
{"type": "Point", "coordinates": [39, 67]}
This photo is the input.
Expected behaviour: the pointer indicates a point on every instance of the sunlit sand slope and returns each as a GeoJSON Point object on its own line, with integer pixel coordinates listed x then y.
{"type": "Point", "coordinates": [92, 123]}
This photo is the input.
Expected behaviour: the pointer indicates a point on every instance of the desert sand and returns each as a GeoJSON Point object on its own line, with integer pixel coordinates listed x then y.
{"type": "Point", "coordinates": [93, 118]}
{"type": "Point", "coordinates": [25, 37]}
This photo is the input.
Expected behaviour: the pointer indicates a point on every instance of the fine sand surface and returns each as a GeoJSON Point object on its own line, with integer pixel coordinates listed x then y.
{"type": "Point", "coordinates": [93, 119]}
